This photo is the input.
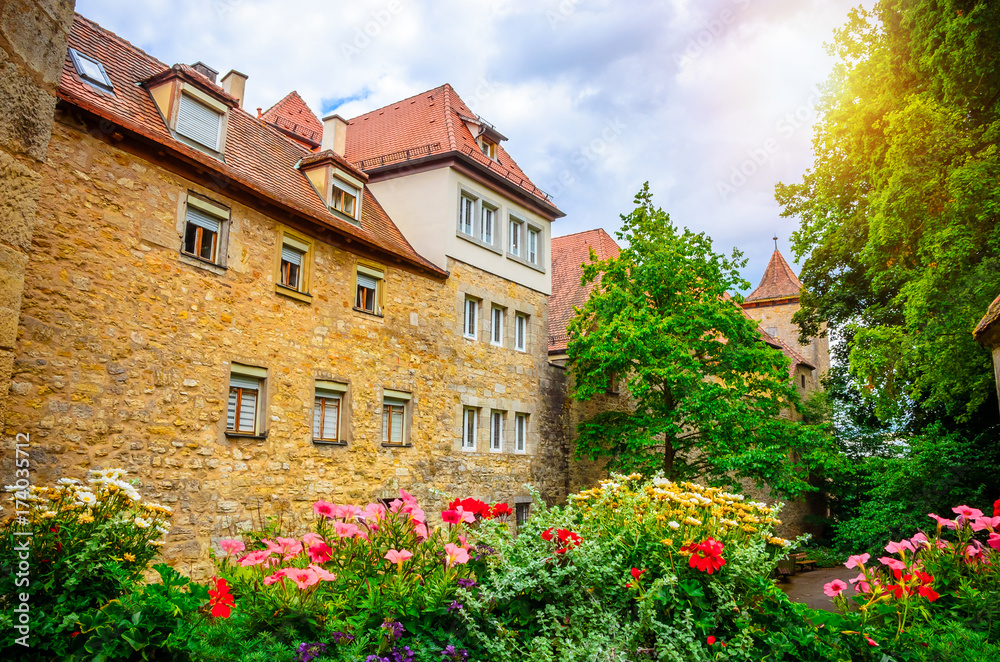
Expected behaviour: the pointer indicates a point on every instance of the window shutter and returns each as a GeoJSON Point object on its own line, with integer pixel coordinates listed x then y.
{"type": "Point", "coordinates": [231, 413]}
{"type": "Point", "coordinates": [201, 219]}
{"type": "Point", "coordinates": [248, 411]}
{"type": "Point", "coordinates": [397, 425]}
{"type": "Point", "coordinates": [330, 418]}
{"type": "Point", "coordinates": [198, 122]}
{"type": "Point", "coordinates": [239, 381]}
{"type": "Point", "coordinates": [364, 280]}
{"type": "Point", "coordinates": [291, 255]}
{"type": "Point", "coordinates": [317, 418]}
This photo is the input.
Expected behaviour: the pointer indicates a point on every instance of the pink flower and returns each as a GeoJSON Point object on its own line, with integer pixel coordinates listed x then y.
{"type": "Point", "coordinates": [319, 553]}
{"type": "Point", "coordinates": [920, 540]}
{"type": "Point", "coordinates": [990, 523]}
{"type": "Point", "coordinates": [421, 531]}
{"type": "Point", "coordinates": [994, 541]}
{"type": "Point", "coordinates": [966, 512]}
{"type": "Point", "coordinates": [861, 584]}
{"type": "Point", "coordinates": [322, 574]}
{"type": "Point", "coordinates": [324, 509]}
{"type": "Point", "coordinates": [895, 564]}
{"type": "Point", "coordinates": [942, 521]}
{"type": "Point", "coordinates": [255, 558]}
{"type": "Point", "coordinates": [834, 588]}
{"type": "Point", "coordinates": [345, 530]}
{"type": "Point", "coordinates": [899, 547]}
{"type": "Point", "coordinates": [276, 577]}
{"type": "Point", "coordinates": [943, 544]}
{"type": "Point", "coordinates": [231, 547]}
{"type": "Point", "coordinates": [451, 516]}
{"type": "Point", "coordinates": [857, 560]}
{"type": "Point", "coordinates": [397, 557]}
{"type": "Point", "coordinates": [467, 517]}
{"type": "Point", "coordinates": [375, 511]}
{"type": "Point", "coordinates": [303, 577]}
{"type": "Point", "coordinates": [406, 496]}
{"type": "Point", "coordinates": [346, 512]}
{"type": "Point", "coordinates": [414, 511]}
{"type": "Point", "coordinates": [395, 505]}
{"type": "Point", "coordinates": [286, 547]}
{"type": "Point", "coordinates": [975, 551]}
{"type": "Point", "coordinates": [310, 539]}
{"type": "Point", "coordinates": [456, 555]}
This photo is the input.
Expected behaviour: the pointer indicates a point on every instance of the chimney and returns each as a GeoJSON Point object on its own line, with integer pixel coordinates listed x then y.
{"type": "Point", "coordinates": [334, 134]}
{"type": "Point", "coordinates": [205, 70]}
{"type": "Point", "coordinates": [235, 84]}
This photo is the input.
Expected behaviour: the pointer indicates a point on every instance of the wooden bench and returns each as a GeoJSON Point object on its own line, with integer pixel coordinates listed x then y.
{"type": "Point", "coordinates": [802, 562]}
{"type": "Point", "coordinates": [782, 574]}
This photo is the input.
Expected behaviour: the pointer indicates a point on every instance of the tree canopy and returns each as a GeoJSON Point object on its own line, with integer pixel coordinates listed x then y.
{"type": "Point", "coordinates": [899, 213]}
{"type": "Point", "coordinates": [707, 392]}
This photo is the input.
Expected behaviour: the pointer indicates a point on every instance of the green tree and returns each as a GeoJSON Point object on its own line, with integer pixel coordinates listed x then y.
{"type": "Point", "coordinates": [899, 214]}
{"type": "Point", "coordinates": [708, 393]}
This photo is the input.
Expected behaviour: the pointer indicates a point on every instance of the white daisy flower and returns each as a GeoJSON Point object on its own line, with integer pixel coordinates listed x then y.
{"type": "Point", "coordinates": [142, 523]}
{"type": "Point", "coordinates": [86, 498]}
{"type": "Point", "coordinates": [673, 525]}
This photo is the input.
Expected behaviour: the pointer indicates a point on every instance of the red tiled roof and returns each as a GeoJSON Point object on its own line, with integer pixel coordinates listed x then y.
{"type": "Point", "coordinates": [257, 157]}
{"type": "Point", "coordinates": [796, 358]}
{"type": "Point", "coordinates": [569, 253]}
{"type": "Point", "coordinates": [778, 281]}
{"type": "Point", "coordinates": [991, 316]}
{"type": "Point", "coordinates": [293, 115]}
{"type": "Point", "coordinates": [426, 124]}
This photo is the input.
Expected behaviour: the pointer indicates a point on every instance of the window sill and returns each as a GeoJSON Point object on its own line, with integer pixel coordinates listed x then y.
{"type": "Point", "coordinates": [388, 445]}
{"type": "Point", "coordinates": [243, 435]}
{"type": "Point", "coordinates": [469, 337]}
{"type": "Point", "coordinates": [479, 242]}
{"type": "Point", "coordinates": [202, 263]}
{"type": "Point", "coordinates": [369, 313]}
{"type": "Point", "coordinates": [327, 442]}
{"type": "Point", "coordinates": [344, 217]}
{"type": "Point", "coordinates": [292, 293]}
{"type": "Point", "coordinates": [525, 262]}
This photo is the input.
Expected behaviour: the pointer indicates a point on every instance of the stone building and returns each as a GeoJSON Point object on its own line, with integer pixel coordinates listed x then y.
{"type": "Point", "coordinates": [987, 334]}
{"type": "Point", "coordinates": [247, 313]}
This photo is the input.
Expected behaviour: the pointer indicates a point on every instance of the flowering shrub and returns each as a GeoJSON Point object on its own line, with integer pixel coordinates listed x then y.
{"type": "Point", "coordinates": [379, 576]}
{"type": "Point", "coordinates": [639, 569]}
{"type": "Point", "coordinates": [950, 572]}
{"type": "Point", "coordinates": [89, 543]}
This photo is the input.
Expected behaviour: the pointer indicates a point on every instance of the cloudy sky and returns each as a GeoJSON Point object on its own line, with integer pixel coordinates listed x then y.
{"type": "Point", "coordinates": [595, 96]}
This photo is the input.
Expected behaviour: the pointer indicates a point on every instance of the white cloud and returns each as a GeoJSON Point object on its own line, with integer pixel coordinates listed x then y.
{"type": "Point", "coordinates": [596, 96]}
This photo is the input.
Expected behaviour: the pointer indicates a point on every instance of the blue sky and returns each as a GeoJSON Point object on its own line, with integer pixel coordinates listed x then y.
{"type": "Point", "coordinates": [708, 100]}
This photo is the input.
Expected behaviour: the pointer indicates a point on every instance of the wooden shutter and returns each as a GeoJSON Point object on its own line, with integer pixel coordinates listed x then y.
{"type": "Point", "coordinates": [199, 122]}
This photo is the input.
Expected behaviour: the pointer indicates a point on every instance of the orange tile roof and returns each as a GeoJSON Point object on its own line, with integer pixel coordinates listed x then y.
{"type": "Point", "coordinates": [989, 319]}
{"type": "Point", "coordinates": [258, 158]}
{"type": "Point", "coordinates": [426, 124]}
{"type": "Point", "coordinates": [293, 115]}
{"type": "Point", "coordinates": [778, 281]}
{"type": "Point", "coordinates": [569, 253]}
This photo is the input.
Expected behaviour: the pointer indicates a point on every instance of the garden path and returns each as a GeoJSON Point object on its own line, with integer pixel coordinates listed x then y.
{"type": "Point", "coordinates": [807, 587]}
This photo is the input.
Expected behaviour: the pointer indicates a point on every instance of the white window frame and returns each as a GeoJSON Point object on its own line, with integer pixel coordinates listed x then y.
{"type": "Point", "coordinates": [467, 203]}
{"type": "Point", "coordinates": [470, 425]}
{"type": "Point", "coordinates": [521, 332]}
{"type": "Point", "coordinates": [493, 212]}
{"type": "Point", "coordinates": [531, 245]}
{"type": "Point", "coordinates": [514, 231]}
{"type": "Point", "coordinates": [349, 189]}
{"type": "Point", "coordinates": [520, 433]}
{"type": "Point", "coordinates": [497, 313]}
{"type": "Point", "coordinates": [496, 431]}
{"type": "Point", "coordinates": [470, 322]}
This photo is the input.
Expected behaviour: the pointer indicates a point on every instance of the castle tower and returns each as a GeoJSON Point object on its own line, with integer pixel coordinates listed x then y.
{"type": "Point", "coordinates": [772, 305]}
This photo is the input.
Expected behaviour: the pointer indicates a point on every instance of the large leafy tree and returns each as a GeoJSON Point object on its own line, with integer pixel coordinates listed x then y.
{"type": "Point", "coordinates": [707, 393]}
{"type": "Point", "coordinates": [899, 214]}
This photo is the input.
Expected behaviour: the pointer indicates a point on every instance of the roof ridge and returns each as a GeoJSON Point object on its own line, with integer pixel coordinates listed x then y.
{"type": "Point", "coordinates": [449, 122]}
{"type": "Point", "coordinates": [95, 24]}
{"type": "Point", "coordinates": [281, 101]}
{"type": "Point", "coordinates": [396, 103]}
{"type": "Point", "coordinates": [573, 234]}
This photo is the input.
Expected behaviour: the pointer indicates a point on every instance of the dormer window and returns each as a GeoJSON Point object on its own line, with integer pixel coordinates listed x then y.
{"type": "Point", "coordinates": [199, 122]}
{"type": "Point", "coordinates": [91, 71]}
{"type": "Point", "coordinates": [344, 197]}
{"type": "Point", "coordinates": [488, 147]}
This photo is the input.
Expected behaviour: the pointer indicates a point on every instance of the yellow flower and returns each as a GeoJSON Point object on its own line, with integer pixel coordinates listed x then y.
{"type": "Point", "coordinates": [84, 519]}
{"type": "Point", "coordinates": [129, 557]}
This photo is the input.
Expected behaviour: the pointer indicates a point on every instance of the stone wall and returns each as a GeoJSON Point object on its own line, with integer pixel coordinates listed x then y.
{"type": "Point", "coordinates": [33, 36]}
{"type": "Point", "coordinates": [779, 317]}
{"type": "Point", "coordinates": [125, 348]}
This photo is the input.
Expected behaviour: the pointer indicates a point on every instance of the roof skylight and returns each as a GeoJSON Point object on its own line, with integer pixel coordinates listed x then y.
{"type": "Point", "coordinates": [91, 71]}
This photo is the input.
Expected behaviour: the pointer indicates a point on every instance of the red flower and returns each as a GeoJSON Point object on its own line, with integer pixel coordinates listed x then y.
{"type": "Point", "coordinates": [928, 593]}
{"type": "Point", "coordinates": [547, 534]}
{"type": "Point", "coordinates": [561, 550]}
{"type": "Point", "coordinates": [221, 599]}
{"type": "Point", "coordinates": [636, 573]}
{"type": "Point", "coordinates": [871, 642]}
{"type": "Point", "coordinates": [710, 640]}
{"type": "Point", "coordinates": [707, 556]}
{"type": "Point", "coordinates": [474, 506]}
{"type": "Point", "coordinates": [996, 508]}
{"type": "Point", "coordinates": [499, 510]}
{"type": "Point", "coordinates": [73, 634]}
{"type": "Point", "coordinates": [568, 538]}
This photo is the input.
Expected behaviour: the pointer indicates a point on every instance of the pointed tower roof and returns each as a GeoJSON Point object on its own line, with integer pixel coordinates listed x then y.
{"type": "Point", "coordinates": [778, 282]}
